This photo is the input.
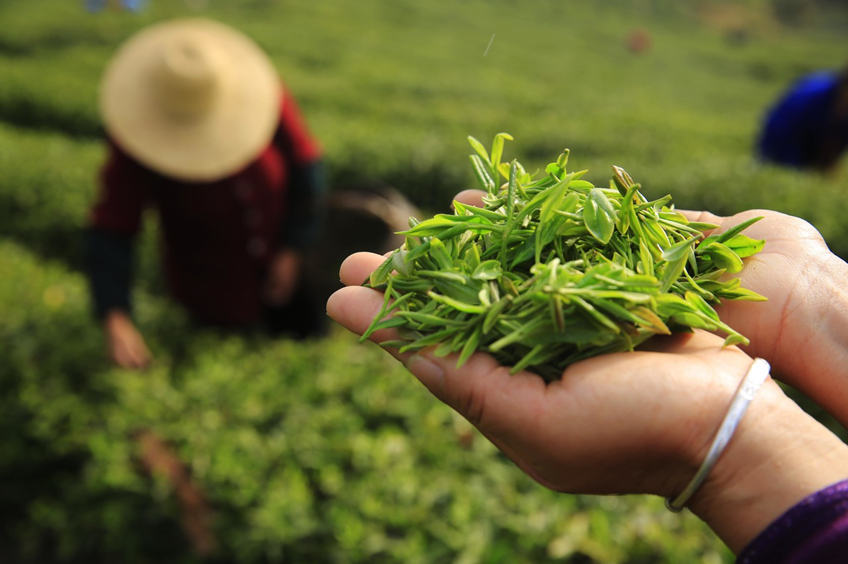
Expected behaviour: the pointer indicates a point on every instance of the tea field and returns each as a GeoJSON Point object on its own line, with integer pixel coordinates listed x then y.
{"type": "Point", "coordinates": [245, 449]}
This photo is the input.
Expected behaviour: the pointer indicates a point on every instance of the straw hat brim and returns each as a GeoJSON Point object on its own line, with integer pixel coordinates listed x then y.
{"type": "Point", "coordinates": [214, 143]}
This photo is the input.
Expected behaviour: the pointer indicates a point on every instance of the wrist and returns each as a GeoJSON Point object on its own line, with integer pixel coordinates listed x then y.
{"type": "Point", "coordinates": [778, 456]}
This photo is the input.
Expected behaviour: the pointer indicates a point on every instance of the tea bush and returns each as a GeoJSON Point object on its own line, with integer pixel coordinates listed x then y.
{"type": "Point", "coordinates": [327, 451]}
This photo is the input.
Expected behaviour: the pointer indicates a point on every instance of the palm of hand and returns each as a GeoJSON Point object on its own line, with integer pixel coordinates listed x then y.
{"type": "Point", "coordinates": [782, 273]}
{"type": "Point", "coordinates": [628, 422]}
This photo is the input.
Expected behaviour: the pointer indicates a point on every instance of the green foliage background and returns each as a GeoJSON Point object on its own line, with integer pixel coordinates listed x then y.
{"type": "Point", "coordinates": [327, 451]}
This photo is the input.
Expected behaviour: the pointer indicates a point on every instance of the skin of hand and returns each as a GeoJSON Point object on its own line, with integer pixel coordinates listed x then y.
{"type": "Point", "coordinates": [125, 344]}
{"type": "Point", "coordinates": [283, 274]}
{"type": "Point", "coordinates": [638, 422]}
{"type": "Point", "coordinates": [802, 330]}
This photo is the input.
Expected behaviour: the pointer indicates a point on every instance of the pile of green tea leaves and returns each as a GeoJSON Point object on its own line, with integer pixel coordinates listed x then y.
{"type": "Point", "coordinates": [553, 270]}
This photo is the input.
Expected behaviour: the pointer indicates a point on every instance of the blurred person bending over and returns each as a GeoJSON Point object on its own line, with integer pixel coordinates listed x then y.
{"type": "Point", "coordinates": [807, 128]}
{"type": "Point", "coordinates": [200, 128]}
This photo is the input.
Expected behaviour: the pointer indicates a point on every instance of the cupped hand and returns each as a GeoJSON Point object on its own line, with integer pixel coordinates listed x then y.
{"type": "Point", "coordinates": [641, 422]}
{"type": "Point", "coordinates": [802, 330]}
{"type": "Point", "coordinates": [125, 344]}
{"type": "Point", "coordinates": [634, 422]}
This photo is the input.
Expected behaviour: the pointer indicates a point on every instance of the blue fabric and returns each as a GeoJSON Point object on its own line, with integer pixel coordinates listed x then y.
{"type": "Point", "coordinates": [801, 122]}
{"type": "Point", "coordinates": [99, 5]}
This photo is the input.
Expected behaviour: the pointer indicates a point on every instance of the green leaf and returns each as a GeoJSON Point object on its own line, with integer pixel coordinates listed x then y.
{"type": "Point", "coordinates": [380, 275]}
{"type": "Point", "coordinates": [599, 215]}
{"type": "Point", "coordinates": [733, 231]}
{"type": "Point", "coordinates": [562, 159]}
{"type": "Point", "coordinates": [456, 304]}
{"type": "Point", "coordinates": [580, 185]}
{"type": "Point", "coordinates": [722, 256]}
{"type": "Point", "coordinates": [443, 275]}
{"type": "Point", "coordinates": [626, 211]}
{"type": "Point", "coordinates": [744, 246]}
{"type": "Point", "coordinates": [740, 294]}
{"type": "Point", "coordinates": [701, 305]}
{"type": "Point", "coordinates": [530, 358]}
{"type": "Point", "coordinates": [480, 150]}
{"type": "Point", "coordinates": [494, 311]}
{"type": "Point", "coordinates": [596, 315]}
{"type": "Point", "coordinates": [621, 179]}
{"type": "Point", "coordinates": [497, 148]}
{"type": "Point", "coordinates": [487, 270]}
{"type": "Point", "coordinates": [646, 261]}
{"type": "Point", "coordinates": [611, 268]}
{"type": "Point", "coordinates": [510, 206]}
{"type": "Point", "coordinates": [440, 254]}
{"type": "Point", "coordinates": [484, 177]}
{"type": "Point", "coordinates": [470, 346]}
{"type": "Point", "coordinates": [675, 258]}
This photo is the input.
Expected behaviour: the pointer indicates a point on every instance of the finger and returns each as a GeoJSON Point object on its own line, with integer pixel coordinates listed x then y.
{"type": "Point", "coordinates": [144, 360]}
{"type": "Point", "coordinates": [480, 390]}
{"type": "Point", "coordinates": [125, 358]}
{"type": "Point", "coordinates": [356, 268]}
{"type": "Point", "coordinates": [139, 355]}
{"type": "Point", "coordinates": [354, 307]}
{"type": "Point", "coordinates": [471, 197]}
{"type": "Point", "coordinates": [120, 359]}
{"type": "Point", "coordinates": [504, 406]}
{"type": "Point", "coordinates": [702, 216]}
{"type": "Point", "coordinates": [500, 405]}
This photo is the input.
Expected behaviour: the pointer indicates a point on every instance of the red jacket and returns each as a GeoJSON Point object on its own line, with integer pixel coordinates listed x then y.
{"type": "Point", "coordinates": [218, 237]}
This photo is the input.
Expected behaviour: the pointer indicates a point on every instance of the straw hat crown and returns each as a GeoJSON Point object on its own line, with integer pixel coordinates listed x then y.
{"type": "Point", "coordinates": [191, 98]}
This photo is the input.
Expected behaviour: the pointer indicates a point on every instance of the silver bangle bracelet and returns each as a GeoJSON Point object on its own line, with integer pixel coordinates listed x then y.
{"type": "Point", "coordinates": [756, 375]}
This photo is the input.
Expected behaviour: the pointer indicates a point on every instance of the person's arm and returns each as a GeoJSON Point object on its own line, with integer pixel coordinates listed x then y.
{"type": "Point", "coordinates": [306, 190]}
{"type": "Point", "coordinates": [109, 239]}
{"type": "Point", "coordinates": [305, 202]}
{"type": "Point", "coordinates": [637, 422]}
{"type": "Point", "coordinates": [778, 456]}
{"type": "Point", "coordinates": [109, 258]}
{"type": "Point", "coordinates": [305, 206]}
{"type": "Point", "coordinates": [813, 530]}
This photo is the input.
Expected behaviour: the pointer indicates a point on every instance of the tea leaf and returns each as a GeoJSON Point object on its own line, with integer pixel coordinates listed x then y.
{"type": "Point", "coordinates": [599, 216]}
{"type": "Point", "coordinates": [552, 270]}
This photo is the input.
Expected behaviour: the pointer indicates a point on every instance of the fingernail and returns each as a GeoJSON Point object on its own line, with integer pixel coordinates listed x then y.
{"type": "Point", "coordinates": [430, 373]}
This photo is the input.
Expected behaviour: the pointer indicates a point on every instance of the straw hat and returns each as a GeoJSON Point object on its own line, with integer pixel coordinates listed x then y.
{"type": "Point", "coordinates": [191, 98]}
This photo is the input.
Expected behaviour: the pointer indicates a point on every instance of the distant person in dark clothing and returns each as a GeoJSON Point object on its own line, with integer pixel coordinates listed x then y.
{"type": "Point", "coordinates": [808, 127]}
{"type": "Point", "coordinates": [201, 130]}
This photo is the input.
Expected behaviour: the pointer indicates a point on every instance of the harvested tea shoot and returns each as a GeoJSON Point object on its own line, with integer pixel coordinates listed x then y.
{"type": "Point", "coordinates": [553, 269]}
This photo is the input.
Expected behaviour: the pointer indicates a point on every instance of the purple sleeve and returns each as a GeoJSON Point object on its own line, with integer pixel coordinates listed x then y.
{"type": "Point", "coordinates": [815, 531]}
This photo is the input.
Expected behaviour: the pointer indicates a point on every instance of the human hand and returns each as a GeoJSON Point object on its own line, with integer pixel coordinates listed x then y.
{"type": "Point", "coordinates": [125, 344]}
{"type": "Point", "coordinates": [579, 434]}
{"type": "Point", "coordinates": [635, 422]}
{"type": "Point", "coordinates": [283, 274]}
{"type": "Point", "coordinates": [802, 330]}
{"type": "Point", "coordinates": [638, 422]}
